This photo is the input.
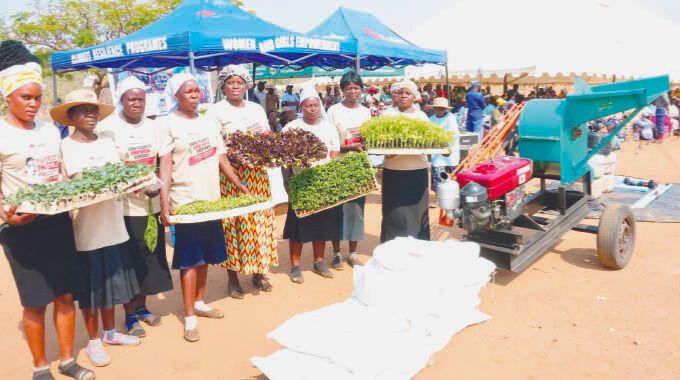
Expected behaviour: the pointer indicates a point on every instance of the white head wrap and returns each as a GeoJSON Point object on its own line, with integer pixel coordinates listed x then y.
{"type": "Point", "coordinates": [409, 85]}
{"type": "Point", "coordinates": [127, 84]}
{"type": "Point", "coordinates": [309, 92]}
{"type": "Point", "coordinates": [14, 77]}
{"type": "Point", "coordinates": [173, 85]}
{"type": "Point", "coordinates": [234, 70]}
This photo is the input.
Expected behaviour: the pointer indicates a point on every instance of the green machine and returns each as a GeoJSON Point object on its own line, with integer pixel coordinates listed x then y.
{"type": "Point", "coordinates": [553, 132]}
{"type": "Point", "coordinates": [516, 228]}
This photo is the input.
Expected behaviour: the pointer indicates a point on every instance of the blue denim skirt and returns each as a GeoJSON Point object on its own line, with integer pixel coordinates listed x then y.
{"type": "Point", "coordinates": [198, 244]}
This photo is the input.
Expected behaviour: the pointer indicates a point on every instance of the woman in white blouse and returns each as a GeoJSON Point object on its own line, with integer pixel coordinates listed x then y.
{"type": "Point", "coordinates": [404, 182]}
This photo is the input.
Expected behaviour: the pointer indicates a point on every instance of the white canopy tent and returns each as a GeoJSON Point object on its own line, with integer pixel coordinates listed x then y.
{"type": "Point", "coordinates": [613, 37]}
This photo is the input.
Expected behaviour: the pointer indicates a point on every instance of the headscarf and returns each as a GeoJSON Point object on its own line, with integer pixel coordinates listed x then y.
{"type": "Point", "coordinates": [309, 92]}
{"type": "Point", "coordinates": [173, 85]}
{"type": "Point", "coordinates": [127, 84]}
{"type": "Point", "coordinates": [14, 77]}
{"type": "Point", "coordinates": [407, 84]}
{"type": "Point", "coordinates": [234, 70]}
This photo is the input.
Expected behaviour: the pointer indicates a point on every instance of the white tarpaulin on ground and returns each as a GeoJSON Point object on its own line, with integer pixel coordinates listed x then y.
{"type": "Point", "coordinates": [408, 301]}
{"type": "Point", "coordinates": [619, 37]}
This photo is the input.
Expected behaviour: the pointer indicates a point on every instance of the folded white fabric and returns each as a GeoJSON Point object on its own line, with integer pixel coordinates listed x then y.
{"type": "Point", "coordinates": [408, 301]}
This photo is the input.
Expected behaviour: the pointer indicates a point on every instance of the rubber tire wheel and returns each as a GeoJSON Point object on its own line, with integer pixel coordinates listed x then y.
{"type": "Point", "coordinates": [616, 236]}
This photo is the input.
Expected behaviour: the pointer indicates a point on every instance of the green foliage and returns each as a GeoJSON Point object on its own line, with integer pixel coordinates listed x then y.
{"type": "Point", "coordinates": [329, 184]}
{"type": "Point", "coordinates": [222, 204]}
{"type": "Point", "coordinates": [110, 177]}
{"type": "Point", "coordinates": [151, 231]}
{"type": "Point", "coordinates": [62, 25]}
{"type": "Point", "coordinates": [404, 132]}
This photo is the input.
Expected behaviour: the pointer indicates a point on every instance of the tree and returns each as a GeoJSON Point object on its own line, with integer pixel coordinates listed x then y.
{"type": "Point", "coordinates": [62, 25]}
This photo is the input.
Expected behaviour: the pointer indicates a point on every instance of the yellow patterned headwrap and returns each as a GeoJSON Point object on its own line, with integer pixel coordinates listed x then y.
{"type": "Point", "coordinates": [13, 77]}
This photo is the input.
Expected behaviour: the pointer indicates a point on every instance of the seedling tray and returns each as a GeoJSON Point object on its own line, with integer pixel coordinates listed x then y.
{"type": "Point", "coordinates": [58, 207]}
{"type": "Point", "coordinates": [217, 215]}
{"type": "Point", "coordinates": [367, 190]}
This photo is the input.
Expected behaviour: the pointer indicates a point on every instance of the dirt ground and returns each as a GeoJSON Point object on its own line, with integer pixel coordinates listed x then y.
{"type": "Point", "coordinates": [566, 317]}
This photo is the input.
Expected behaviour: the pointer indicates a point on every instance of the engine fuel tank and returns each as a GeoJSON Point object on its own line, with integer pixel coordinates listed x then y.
{"type": "Point", "coordinates": [499, 175]}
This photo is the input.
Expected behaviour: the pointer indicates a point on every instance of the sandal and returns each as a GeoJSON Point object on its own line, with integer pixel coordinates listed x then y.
{"type": "Point", "coordinates": [148, 317]}
{"type": "Point", "coordinates": [322, 270]}
{"type": "Point", "coordinates": [235, 291]}
{"type": "Point", "coordinates": [296, 275]}
{"type": "Point", "coordinates": [261, 282]}
{"type": "Point", "coordinates": [74, 370]}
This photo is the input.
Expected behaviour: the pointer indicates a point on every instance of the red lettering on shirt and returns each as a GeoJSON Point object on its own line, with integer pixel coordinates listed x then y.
{"type": "Point", "coordinates": [201, 150]}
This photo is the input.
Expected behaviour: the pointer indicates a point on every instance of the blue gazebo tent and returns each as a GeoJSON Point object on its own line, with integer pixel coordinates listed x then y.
{"type": "Point", "coordinates": [201, 33]}
{"type": "Point", "coordinates": [372, 43]}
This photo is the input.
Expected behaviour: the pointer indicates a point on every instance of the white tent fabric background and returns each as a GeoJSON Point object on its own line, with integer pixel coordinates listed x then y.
{"type": "Point", "coordinates": [408, 301]}
{"type": "Point", "coordinates": [593, 36]}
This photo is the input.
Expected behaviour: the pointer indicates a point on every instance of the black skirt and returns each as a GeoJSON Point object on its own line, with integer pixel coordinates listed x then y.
{"type": "Point", "coordinates": [324, 225]}
{"type": "Point", "coordinates": [42, 256]}
{"type": "Point", "coordinates": [151, 268]}
{"type": "Point", "coordinates": [110, 277]}
{"type": "Point", "coordinates": [404, 204]}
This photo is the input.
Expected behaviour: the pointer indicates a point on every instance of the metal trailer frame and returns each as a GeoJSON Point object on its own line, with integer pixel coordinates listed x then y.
{"type": "Point", "coordinates": [512, 250]}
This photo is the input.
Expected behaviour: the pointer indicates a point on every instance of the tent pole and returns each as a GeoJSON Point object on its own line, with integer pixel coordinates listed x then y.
{"type": "Point", "coordinates": [448, 89]}
{"type": "Point", "coordinates": [357, 65]}
{"type": "Point", "coordinates": [54, 87]}
{"type": "Point", "coordinates": [192, 66]}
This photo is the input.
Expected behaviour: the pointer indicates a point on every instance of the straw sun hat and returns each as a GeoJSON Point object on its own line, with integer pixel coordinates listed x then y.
{"type": "Point", "coordinates": [440, 102]}
{"type": "Point", "coordinates": [77, 98]}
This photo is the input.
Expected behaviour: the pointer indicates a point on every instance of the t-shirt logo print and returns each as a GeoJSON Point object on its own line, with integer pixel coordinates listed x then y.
{"type": "Point", "coordinates": [201, 150]}
{"type": "Point", "coordinates": [41, 167]}
{"type": "Point", "coordinates": [141, 154]}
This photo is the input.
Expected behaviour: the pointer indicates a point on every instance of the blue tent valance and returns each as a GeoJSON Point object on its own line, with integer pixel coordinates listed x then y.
{"type": "Point", "coordinates": [212, 33]}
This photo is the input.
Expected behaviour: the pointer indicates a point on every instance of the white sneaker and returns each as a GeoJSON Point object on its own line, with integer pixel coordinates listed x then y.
{"type": "Point", "coordinates": [121, 340]}
{"type": "Point", "coordinates": [96, 354]}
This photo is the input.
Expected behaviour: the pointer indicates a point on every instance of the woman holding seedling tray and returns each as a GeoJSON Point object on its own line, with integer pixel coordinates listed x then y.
{"type": "Point", "coordinates": [136, 139]}
{"type": "Point", "coordinates": [347, 116]}
{"type": "Point", "coordinates": [192, 154]}
{"type": "Point", "coordinates": [251, 241]}
{"type": "Point", "coordinates": [323, 226]}
{"type": "Point", "coordinates": [404, 181]}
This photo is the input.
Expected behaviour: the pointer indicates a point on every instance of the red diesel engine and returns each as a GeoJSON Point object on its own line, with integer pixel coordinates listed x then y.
{"type": "Point", "coordinates": [492, 193]}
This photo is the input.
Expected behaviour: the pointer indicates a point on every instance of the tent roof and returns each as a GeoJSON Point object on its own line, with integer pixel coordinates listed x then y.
{"type": "Point", "coordinates": [216, 32]}
{"type": "Point", "coordinates": [376, 43]}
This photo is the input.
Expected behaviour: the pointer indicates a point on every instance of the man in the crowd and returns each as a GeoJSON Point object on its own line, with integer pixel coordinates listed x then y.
{"type": "Point", "coordinates": [260, 94]}
{"type": "Point", "coordinates": [289, 100]}
{"type": "Point", "coordinates": [271, 103]}
{"type": "Point", "coordinates": [475, 113]}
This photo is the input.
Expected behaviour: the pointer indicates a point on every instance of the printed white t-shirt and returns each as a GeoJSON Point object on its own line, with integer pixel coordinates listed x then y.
{"type": "Point", "coordinates": [135, 143]}
{"type": "Point", "coordinates": [196, 146]}
{"type": "Point", "coordinates": [28, 156]}
{"type": "Point", "coordinates": [249, 118]}
{"type": "Point", "coordinates": [347, 121]}
{"type": "Point", "coordinates": [101, 224]}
